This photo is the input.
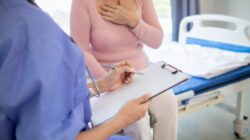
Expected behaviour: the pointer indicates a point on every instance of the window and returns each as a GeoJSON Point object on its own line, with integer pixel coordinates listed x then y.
{"type": "Point", "coordinates": [59, 10]}
{"type": "Point", "coordinates": [163, 9]}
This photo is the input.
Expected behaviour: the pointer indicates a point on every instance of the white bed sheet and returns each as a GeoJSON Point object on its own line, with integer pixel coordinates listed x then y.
{"type": "Point", "coordinates": [201, 61]}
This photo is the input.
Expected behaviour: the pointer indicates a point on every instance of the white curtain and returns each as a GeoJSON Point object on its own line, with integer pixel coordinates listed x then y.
{"type": "Point", "coordinates": [59, 10]}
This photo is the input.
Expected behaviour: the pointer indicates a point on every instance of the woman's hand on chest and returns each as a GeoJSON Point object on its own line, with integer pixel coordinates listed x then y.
{"type": "Point", "coordinates": [122, 12]}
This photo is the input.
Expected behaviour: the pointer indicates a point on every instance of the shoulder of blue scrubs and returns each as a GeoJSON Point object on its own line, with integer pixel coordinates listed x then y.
{"type": "Point", "coordinates": [43, 93]}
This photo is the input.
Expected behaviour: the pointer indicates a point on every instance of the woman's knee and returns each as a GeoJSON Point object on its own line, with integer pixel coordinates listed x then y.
{"type": "Point", "coordinates": [164, 105]}
{"type": "Point", "coordinates": [140, 125]}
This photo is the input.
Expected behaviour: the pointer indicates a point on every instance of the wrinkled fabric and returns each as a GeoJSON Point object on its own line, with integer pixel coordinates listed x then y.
{"type": "Point", "coordinates": [204, 62]}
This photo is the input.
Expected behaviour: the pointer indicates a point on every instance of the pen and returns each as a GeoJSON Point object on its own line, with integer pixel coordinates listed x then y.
{"type": "Point", "coordinates": [114, 67]}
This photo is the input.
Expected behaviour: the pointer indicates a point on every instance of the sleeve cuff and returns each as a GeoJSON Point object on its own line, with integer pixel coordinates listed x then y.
{"type": "Point", "coordinates": [138, 28]}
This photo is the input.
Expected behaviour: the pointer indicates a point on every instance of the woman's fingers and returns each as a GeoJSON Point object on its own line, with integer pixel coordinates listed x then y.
{"type": "Point", "coordinates": [109, 10]}
{"type": "Point", "coordinates": [120, 14]}
{"type": "Point", "coordinates": [108, 18]}
{"type": "Point", "coordinates": [109, 7]}
{"type": "Point", "coordinates": [106, 13]}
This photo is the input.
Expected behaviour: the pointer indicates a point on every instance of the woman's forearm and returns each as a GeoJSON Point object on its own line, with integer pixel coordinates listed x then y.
{"type": "Point", "coordinates": [148, 29]}
{"type": "Point", "coordinates": [94, 65]}
{"type": "Point", "coordinates": [148, 34]}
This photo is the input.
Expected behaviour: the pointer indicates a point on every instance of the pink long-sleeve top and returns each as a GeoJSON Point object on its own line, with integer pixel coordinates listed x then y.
{"type": "Point", "coordinates": [104, 42]}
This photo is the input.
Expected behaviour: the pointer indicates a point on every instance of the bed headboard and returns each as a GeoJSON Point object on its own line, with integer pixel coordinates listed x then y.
{"type": "Point", "coordinates": [210, 31]}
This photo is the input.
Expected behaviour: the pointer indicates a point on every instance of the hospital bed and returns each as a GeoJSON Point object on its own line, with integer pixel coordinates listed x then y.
{"type": "Point", "coordinates": [198, 93]}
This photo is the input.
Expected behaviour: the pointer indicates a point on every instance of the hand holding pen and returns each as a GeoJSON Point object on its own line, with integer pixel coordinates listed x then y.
{"type": "Point", "coordinates": [114, 67]}
{"type": "Point", "coordinates": [121, 73]}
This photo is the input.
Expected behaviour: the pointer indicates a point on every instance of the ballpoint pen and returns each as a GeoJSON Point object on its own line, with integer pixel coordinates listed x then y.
{"type": "Point", "coordinates": [114, 67]}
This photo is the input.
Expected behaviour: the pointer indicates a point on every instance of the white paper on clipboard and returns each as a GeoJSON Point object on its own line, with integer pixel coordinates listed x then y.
{"type": "Point", "coordinates": [156, 80]}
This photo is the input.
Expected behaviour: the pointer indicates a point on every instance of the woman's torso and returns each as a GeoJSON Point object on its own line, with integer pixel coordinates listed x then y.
{"type": "Point", "coordinates": [111, 43]}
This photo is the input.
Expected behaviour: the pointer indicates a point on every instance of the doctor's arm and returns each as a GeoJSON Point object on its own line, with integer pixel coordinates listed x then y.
{"type": "Point", "coordinates": [128, 114]}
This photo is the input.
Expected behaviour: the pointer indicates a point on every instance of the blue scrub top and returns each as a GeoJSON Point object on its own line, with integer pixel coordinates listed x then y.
{"type": "Point", "coordinates": [43, 92]}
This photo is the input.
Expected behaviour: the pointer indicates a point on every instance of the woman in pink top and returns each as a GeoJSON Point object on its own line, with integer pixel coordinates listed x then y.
{"type": "Point", "coordinates": [109, 31]}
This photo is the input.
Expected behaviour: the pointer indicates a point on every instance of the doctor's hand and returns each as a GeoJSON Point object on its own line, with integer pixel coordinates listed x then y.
{"type": "Point", "coordinates": [133, 110]}
{"type": "Point", "coordinates": [123, 13]}
{"type": "Point", "coordinates": [116, 77]}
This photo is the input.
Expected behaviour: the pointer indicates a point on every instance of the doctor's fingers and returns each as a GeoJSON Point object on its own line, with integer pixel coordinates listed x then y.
{"type": "Point", "coordinates": [127, 80]}
{"type": "Point", "coordinates": [146, 104]}
{"type": "Point", "coordinates": [144, 99]}
{"type": "Point", "coordinates": [125, 69]}
{"type": "Point", "coordinates": [124, 63]}
{"type": "Point", "coordinates": [143, 108]}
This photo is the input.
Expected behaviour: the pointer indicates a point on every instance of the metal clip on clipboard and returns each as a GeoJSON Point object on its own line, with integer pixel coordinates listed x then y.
{"type": "Point", "coordinates": [171, 68]}
{"type": "Point", "coordinates": [158, 78]}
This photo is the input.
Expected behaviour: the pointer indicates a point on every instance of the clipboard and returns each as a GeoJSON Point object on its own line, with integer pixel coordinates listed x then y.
{"type": "Point", "coordinates": [157, 79]}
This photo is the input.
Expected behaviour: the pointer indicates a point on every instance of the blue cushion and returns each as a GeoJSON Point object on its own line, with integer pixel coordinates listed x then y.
{"type": "Point", "coordinates": [219, 45]}
{"type": "Point", "coordinates": [200, 85]}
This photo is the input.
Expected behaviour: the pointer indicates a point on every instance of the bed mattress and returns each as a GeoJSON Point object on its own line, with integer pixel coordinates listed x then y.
{"type": "Point", "coordinates": [200, 85]}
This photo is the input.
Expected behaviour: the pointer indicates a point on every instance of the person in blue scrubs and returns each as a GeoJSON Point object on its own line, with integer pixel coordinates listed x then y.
{"type": "Point", "coordinates": [43, 90]}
